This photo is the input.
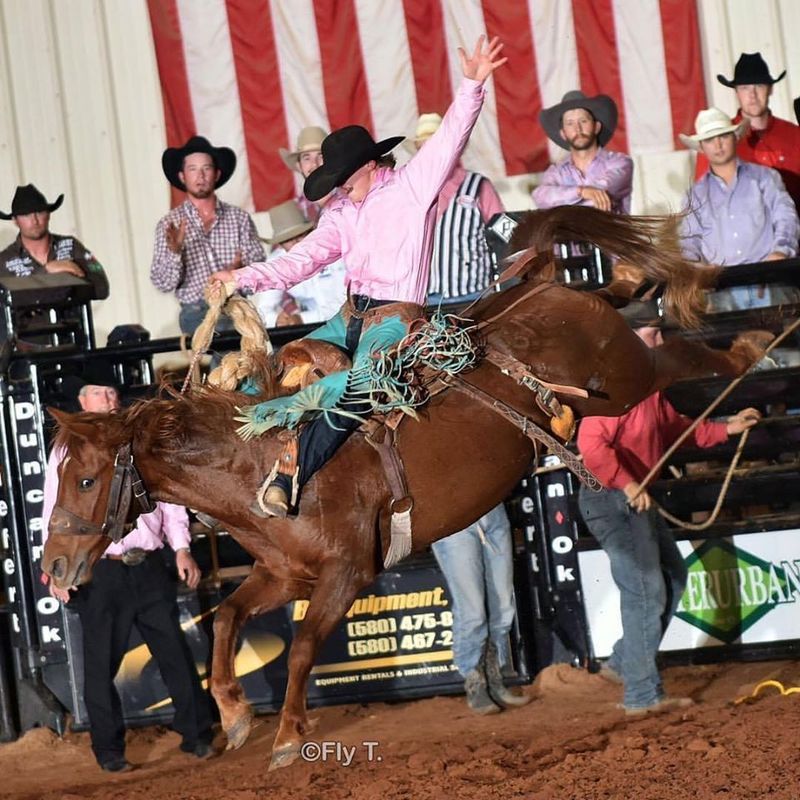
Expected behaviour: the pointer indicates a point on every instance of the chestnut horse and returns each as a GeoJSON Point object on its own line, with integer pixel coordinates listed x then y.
{"type": "Point", "coordinates": [461, 458]}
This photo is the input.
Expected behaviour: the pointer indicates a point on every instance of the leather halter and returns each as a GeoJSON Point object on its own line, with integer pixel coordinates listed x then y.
{"type": "Point", "coordinates": [126, 484]}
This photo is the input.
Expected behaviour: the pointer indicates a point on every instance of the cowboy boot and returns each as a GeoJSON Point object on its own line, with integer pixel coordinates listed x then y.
{"type": "Point", "coordinates": [502, 695]}
{"type": "Point", "coordinates": [477, 696]}
{"type": "Point", "coordinates": [273, 499]}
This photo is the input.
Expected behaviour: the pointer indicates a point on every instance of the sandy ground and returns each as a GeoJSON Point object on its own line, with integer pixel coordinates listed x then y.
{"type": "Point", "coordinates": [571, 742]}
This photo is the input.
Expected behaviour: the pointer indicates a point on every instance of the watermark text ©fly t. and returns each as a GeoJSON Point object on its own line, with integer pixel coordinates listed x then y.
{"type": "Point", "coordinates": [338, 752]}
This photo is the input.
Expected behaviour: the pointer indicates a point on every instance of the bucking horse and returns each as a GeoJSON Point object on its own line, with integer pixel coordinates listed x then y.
{"type": "Point", "coordinates": [461, 454]}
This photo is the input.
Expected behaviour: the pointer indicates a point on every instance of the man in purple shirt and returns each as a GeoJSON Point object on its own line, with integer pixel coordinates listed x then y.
{"type": "Point", "coordinates": [381, 222]}
{"type": "Point", "coordinates": [592, 175]}
{"type": "Point", "coordinates": [737, 213]}
{"type": "Point", "coordinates": [131, 586]}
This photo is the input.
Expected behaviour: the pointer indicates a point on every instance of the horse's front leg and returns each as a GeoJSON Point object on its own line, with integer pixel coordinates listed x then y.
{"type": "Point", "coordinates": [333, 594]}
{"type": "Point", "coordinates": [260, 592]}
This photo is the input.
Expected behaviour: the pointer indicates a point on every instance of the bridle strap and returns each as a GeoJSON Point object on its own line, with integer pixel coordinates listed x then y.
{"type": "Point", "coordinates": [126, 486]}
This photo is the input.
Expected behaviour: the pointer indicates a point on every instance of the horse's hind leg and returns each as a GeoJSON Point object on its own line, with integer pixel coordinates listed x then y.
{"type": "Point", "coordinates": [260, 592]}
{"type": "Point", "coordinates": [333, 594]}
{"type": "Point", "coordinates": [679, 359]}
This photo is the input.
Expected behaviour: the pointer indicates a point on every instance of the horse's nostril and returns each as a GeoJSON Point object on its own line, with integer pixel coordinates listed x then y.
{"type": "Point", "coordinates": [58, 568]}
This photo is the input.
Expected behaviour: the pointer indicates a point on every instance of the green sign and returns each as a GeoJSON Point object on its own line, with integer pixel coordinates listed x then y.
{"type": "Point", "coordinates": [728, 589]}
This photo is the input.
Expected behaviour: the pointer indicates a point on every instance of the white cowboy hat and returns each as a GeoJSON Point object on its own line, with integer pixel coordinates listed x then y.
{"type": "Point", "coordinates": [711, 122]}
{"type": "Point", "coordinates": [309, 140]}
{"type": "Point", "coordinates": [288, 222]}
{"type": "Point", "coordinates": [427, 125]}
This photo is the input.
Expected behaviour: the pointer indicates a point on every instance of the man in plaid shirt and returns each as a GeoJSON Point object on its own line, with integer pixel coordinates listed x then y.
{"type": "Point", "coordinates": [202, 232]}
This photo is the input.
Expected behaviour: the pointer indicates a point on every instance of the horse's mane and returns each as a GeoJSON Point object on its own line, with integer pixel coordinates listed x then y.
{"type": "Point", "coordinates": [651, 243]}
{"type": "Point", "coordinates": [171, 420]}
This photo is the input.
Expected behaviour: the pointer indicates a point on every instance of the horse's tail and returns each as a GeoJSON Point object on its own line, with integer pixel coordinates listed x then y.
{"type": "Point", "coordinates": [651, 243]}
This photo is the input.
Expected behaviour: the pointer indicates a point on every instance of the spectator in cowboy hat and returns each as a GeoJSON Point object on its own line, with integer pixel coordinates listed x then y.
{"type": "Point", "coordinates": [313, 300]}
{"type": "Point", "coordinates": [592, 175]}
{"type": "Point", "coordinates": [201, 232]}
{"type": "Point", "coordinates": [132, 586]}
{"type": "Point", "coordinates": [305, 158]}
{"type": "Point", "coordinates": [738, 212]}
{"type": "Point", "coordinates": [769, 141]}
{"type": "Point", "coordinates": [36, 250]}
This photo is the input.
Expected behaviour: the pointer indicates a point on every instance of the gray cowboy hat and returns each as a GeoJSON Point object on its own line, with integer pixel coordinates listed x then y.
{"type": "Point", "coordinates": [172, 160]}
{"type": "Point", "coordinates": [309, 140]}
{"type": "Point", "coordinates": [28, 200]}
{"type": "Point", "coordinates": [750, 69]}
{"type": "Point", "coordinates": [343, 152]}
{"type": "Point", "coordinates": [287, 222]}
{"type": "Point", "coordinates": [602, 107]}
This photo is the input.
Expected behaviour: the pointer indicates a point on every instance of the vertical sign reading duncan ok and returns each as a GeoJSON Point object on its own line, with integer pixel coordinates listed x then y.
{"type": "Point", "coordinates": [29, 467]}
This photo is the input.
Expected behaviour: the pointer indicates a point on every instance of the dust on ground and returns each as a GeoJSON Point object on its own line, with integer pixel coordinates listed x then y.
{"type": "Point", "coordinates": [571, 742]}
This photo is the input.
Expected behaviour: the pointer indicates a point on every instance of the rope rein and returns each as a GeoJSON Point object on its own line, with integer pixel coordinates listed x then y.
{"type": "Point", "coordinates": [235, 366]}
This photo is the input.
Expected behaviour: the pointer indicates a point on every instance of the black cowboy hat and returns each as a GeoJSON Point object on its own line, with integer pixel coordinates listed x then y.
{"type": "Point", "coordinates": [343, 152]}
{"type": "Point", "coordinates": [28, 200]}
{"type": "Point", "coordinates": [95, 372]}
{"type": "Point", "coordinates": [750, 68]}
{"type": "Point", "coordinates": [172, 161]}
{"type": "Point", "coordinates": [602, 108]}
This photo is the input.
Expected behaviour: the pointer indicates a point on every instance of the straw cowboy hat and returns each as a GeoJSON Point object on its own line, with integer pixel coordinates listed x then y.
{"type": "Point", "coordinates": [343, 152]}
{"type": "Point", "coordinates": [288, 222]}
{"type": "Point", "coordinates": [427, 125]}
{"type": "Point", "coordinates": [602, 108]}
{"type": "Point", "coordinates": [172, 160]}
{"type": "Point", "coordinates": [711, 122]}
{"type": "Point", "coordinates": [28, 200]}
{"type": "Point", "coordinates": [750, 69]}
{"type": "Point", "coordinates": [309, 140]}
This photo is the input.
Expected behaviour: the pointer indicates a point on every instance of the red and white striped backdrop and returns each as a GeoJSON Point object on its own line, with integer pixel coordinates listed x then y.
{"type": "Point", "coordinates": [250, 73]}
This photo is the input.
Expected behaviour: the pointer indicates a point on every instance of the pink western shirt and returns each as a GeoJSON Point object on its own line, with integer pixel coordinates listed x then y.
{"type": "Point", "coordinates": [168, 521]}
{"type": "Point", "coordinates": [386, 239]}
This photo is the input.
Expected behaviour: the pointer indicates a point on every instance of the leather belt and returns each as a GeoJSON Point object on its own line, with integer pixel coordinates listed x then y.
{"type": "Point", "coordinates": [363, 302]}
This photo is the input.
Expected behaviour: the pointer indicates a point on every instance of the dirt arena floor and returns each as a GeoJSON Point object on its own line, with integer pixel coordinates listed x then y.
{"type": "Point", "coordinates": [571, 742]}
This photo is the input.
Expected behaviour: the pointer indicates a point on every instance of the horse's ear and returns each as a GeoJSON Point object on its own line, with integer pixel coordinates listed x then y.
{"type": "Point", "coordinates": [73, 423]}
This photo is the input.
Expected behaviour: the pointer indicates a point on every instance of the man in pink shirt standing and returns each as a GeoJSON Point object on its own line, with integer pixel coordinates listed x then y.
{"type": "Point", "coordinates": [381, 222]}
{"type": "Point", "coordinates": [131, 586]}
{"type": "Point", "coordinates": [642, 550]}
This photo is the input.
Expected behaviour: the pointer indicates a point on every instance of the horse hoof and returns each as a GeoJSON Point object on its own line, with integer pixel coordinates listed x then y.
{"type": "Point", "coordinates": [238, 733]}
{"type": "Point", "coordinates": [284, 756]}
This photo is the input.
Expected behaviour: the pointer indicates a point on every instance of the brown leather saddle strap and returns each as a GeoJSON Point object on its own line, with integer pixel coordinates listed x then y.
{"type": "Point", "coordinates": [533, 431]}
{"type": "Point", "coordinates": [528, 260]}
{"type": "Point", "coordinates": [393, 467]}
{"type": "Point", "coordinates": [523, 374]}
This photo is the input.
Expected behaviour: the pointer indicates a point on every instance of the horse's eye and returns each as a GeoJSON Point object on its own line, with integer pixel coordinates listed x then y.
{"type": "Point", "coordinates": [86, 484]}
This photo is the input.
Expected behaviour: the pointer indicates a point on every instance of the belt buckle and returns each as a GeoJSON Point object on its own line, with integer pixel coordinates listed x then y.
{"type": "Point", "coordinates": [134, 556]}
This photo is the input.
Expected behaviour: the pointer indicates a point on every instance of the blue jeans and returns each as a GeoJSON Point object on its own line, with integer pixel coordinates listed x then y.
{"type": "Point", "coordinates": [650, 574]}
{"type": "Point", "coordinates": [192, 314]}
{"type": "Point", "coordinates": [480, 576]}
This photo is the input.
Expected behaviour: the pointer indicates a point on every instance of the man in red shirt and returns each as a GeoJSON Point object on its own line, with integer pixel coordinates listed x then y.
{"type": "Point", "coordinates": [646, 564]}
{"type": "Point", "coordinates": [769, 141]}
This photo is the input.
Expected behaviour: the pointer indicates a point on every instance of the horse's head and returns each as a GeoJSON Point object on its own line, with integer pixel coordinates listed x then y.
{"type": "Point", "coordinates": [97, 482]}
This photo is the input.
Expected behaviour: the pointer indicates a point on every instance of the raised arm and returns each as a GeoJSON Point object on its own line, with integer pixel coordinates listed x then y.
{"type": "Point", "coordinates": [430, 168]}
